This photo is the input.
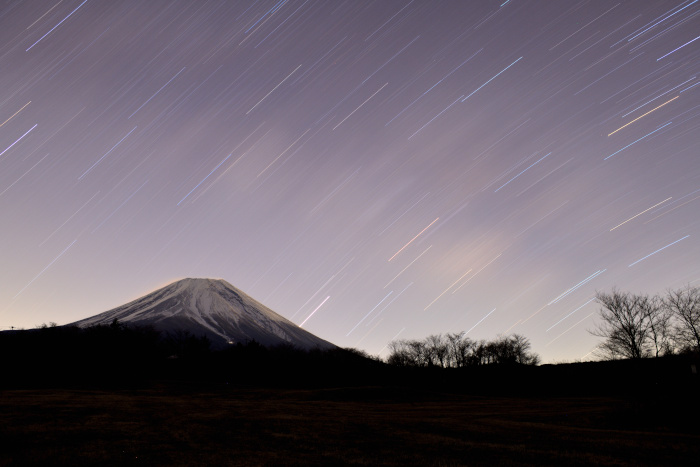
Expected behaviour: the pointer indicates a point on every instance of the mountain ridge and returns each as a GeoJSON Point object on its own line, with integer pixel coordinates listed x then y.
{"type": "Point", "coordinates": [213, 308]}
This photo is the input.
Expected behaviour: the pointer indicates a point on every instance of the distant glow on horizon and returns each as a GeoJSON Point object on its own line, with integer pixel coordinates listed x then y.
{"type": "Point", "coordinates": [480, 166]}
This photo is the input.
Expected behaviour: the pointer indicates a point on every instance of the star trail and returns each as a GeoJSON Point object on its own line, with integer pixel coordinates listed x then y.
{"type": "Point", "coordinates": [369, 169]}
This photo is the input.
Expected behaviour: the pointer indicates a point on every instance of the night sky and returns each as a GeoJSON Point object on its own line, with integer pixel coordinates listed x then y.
{"type": "Point", "coordinates": [369, 170]}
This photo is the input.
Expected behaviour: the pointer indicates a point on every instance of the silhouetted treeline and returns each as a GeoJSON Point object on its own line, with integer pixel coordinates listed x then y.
{"type": "Point", "coordinates": [121, 354]}
{"type": "Point", "coordinates": [459, 351]}
{"type": "Point", "coordinates": [97, 353]}
{"type": "Point", "coordinates": [638, 325]}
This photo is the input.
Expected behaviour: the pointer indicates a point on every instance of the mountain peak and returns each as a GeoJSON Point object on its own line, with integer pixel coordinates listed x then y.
{"type": "Point", "coordinates": [213, 308]}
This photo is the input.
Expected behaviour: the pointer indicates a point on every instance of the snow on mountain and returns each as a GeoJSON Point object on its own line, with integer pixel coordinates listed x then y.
{"type": "Point", "coordinates": [213, 308]}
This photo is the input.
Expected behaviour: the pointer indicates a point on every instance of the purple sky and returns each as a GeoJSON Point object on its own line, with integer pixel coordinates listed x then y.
{"type": "Point", "coordinates": [372, 170]}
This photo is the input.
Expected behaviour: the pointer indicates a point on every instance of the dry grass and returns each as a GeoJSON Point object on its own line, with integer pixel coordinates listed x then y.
{"type": "Point", "coordinates": [169, 425]}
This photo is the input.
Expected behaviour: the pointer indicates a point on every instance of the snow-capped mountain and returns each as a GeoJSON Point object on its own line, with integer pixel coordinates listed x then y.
{"type": "Point", "coordinates": [213, 308]}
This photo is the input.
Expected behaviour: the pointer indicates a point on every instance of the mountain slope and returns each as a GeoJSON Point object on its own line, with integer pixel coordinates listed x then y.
{"type": "Point", "coordinates": [213, 308]}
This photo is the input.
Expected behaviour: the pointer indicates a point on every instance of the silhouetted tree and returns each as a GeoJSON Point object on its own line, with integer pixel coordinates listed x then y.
{"type": "Point", "coordinates": [684, 306]}
{"type": "Point", "coordinates": [399, 354]}
{"type": "Point", "coordinates": [624, 325]}
{"type": "Point", "coordinates": [459, 348]}
{"type": "Point", "coordinates": [436, 351]}
{"type": "Point", "coordinates": [521, 350]}
{"type": "Point", "coordinates": [658, 319]}
{"type": "Point", "coordinates": [457, 351]}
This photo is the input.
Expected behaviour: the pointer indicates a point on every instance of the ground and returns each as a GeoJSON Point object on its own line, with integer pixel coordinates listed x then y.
{"type": "Point", "coordinates": [187, 424]}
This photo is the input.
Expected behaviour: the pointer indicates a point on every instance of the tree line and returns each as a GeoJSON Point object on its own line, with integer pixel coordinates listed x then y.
{"type": "Point", "coordinates": [632, 326]}
{"type": "Point", "coordinates": [638, 326]}
{"type": "Point", "coordinates": [458, 351]}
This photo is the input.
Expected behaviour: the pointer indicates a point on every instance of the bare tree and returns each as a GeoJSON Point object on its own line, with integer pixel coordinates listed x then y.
{"type": "Point", "coordinates": [457, 350]}
{"type": "Point", "coordinates": [509, 350]}
{"type": "Point", "coordinates": [624, 325]}
{"type": "Point", "coordinates": [437, 350]}
{"type": "Point", "coordinates": [521, 350]}
{"type": "Point", "coordinates": [501, 351]}
{"type": "Point", "coordinates": [684, 306]}
{"type": "Point", "coordinates": [418, 352]}
{"type": "Point", "coordinates": [658, 319]}
{"type": "Point", "coordinates": [400, 355]}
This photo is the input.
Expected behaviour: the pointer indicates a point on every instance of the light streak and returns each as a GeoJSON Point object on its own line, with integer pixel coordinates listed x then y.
{"type": "Point", "coordinates": [22, 176]}
{"type": "Point", "coordinates": [271, 11]}
{"type": "Point", "coordinates": [421, 232]}
{"type": "Point", "coordinates": [404, 213]}
{"type": "Point", "coordinates": [452, 285]}
{"type": "Point", "coordinates": [44, 270]}
{"type": "Point", "coordinates": [388, 61]}
{"type": "Point", "coordinates": [608, 73]}
{"type": "Point", "coordinates": [358, 107]}
{"type": "Point", "coordinates": [543, 217]}
{"type": "Point", "coordinates": [572, 289]}
{"type": "Point", "coordinates": [501, 139]}
{"type": "Point", "coordinates": [672, 209]}
{"type": "Point", "coordinates": [183, 199]}
{"type": "Point", "coordinates": [40, 17]}
{"type": "Point", "coordinates": [404, 269]}
{"type": "Point", "coordinates": [689, 87]}
{"type": "Point", "coordinates": [655, 108]}
{"type": "Point", "coordinates": [660, 21]}
{"type": "Point", "coordinates": [431, 88]}
{"type": "Point", "coordinates": [581, 28]}
{"type": "Point", "coordinates": [311, 68]}
{"type": "Point", "coordinates": [283, 152]}
{"type": "Point", "coordinates": [332, 193]}
{"type": "Point", "coordinates": [278, 26]}
{"type": "Point", "coordinates": [636, 141]}
{"type": "Point", "coordinates": [312, 313]}
{"type": "Point", "coordinates": [487, 315]}
{"type": "Point", "coordinates": [10, 146]}
{"type": "Point", "coordinates": [678, 48]}
{"type": "Point", "coordinates": [506, 183]}
{"type": "Point", "coordinates": [368, 332]}
{"type": "Point", "coordinates": [673, 243]}
{"type": "Point", "coordinates": [589, 301]}
{"type": "Point", "coordinates": [69, 14]}
{"type": "Point", "coordinates": [370, 312]}
{"type": "Point", "coordinates": [273, 90]}
{"type": "Point", "coordinates": [526, 320]}
{"type": "Point", "coordinates": [314, 295]}
{"type": "Point", "coordinates": [662, 94]}
{"type": "Point", "coordinates": [13, 115]}
{"type": "Point", "coordinates": [661, 68]}
{"type": "Point", "coordinates": [119, 207]}
{"type": "Point", "coordinates": [385, 22]}
{"type": "Point", "coordinates": [154, 95]}
{"type": "Point", "coordinates": [662, 202]}
{"type": "Point", "coordinates": [487, 82]}
{"type": "Point", "coordinates": [431, 120]}
{"type": "Point", "coordinates": [106, 154]}
{"type": "Point", "coordinates": [67, 220]}
{"type": "Point", "coordinates": [389, 304]}
{"type": "Point", "coordinates": [579, 322]}
{"type": "Point", "coordinates": [392, 340]}
{"type": "Point", "coordinates": [476, 273]}
{"type": "Point", "coordinates": [516, 323]}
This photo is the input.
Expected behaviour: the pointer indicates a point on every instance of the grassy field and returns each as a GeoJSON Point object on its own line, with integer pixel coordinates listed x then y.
{"type": "Point", "coordinates": [175, 424]}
